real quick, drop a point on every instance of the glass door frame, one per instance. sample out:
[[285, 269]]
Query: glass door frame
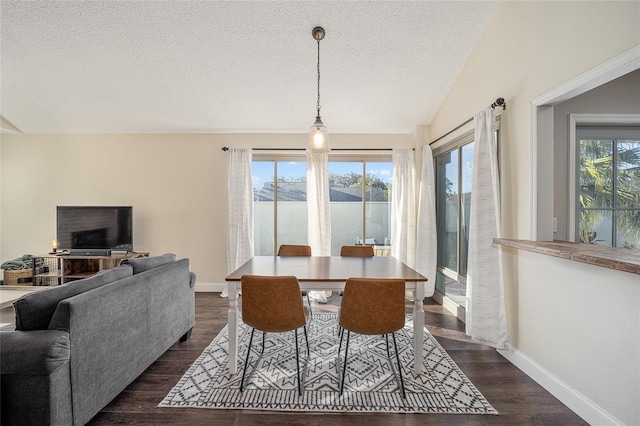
[[444, 270]]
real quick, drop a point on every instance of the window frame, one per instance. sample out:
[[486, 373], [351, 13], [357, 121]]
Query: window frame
[[355, 156], [576, 120], [456, 144], [275, 158]]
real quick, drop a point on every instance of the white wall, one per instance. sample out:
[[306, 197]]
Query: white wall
[[558, 311], [176, 184]]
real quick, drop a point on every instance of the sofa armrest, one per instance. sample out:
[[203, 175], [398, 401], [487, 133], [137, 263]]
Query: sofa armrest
[[33, 353], [35, 379]]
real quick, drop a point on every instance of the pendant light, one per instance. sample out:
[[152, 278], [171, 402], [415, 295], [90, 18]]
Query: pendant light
[[318, 135]]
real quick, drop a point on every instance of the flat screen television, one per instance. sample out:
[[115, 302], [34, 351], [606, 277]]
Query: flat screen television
[[95, 227]]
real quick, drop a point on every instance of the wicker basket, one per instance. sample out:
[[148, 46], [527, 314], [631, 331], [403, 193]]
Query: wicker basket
[[18, 276]]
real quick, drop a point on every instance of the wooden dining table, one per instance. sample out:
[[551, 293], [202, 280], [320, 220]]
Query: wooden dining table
[[327, 273]]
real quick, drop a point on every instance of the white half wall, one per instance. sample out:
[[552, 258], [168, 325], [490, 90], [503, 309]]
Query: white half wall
[[582, 326]]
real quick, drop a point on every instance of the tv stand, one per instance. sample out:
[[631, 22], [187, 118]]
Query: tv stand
[[90, 252], [56, 269]]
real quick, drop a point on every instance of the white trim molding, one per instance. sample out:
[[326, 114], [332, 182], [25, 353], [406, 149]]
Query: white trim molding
[[616, 67], [450, 305], [574, 121], [577, 402], [210, 287], [541, 108]]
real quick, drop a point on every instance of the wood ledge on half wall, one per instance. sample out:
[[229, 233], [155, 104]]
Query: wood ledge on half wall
[[620, 259]]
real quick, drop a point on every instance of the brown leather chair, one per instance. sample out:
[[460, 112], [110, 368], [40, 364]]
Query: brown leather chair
[[356, 251], [372, 306], [296, 250], [272, 304]]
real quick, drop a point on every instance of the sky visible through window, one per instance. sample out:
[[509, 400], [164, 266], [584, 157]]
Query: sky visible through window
[[262, 171]]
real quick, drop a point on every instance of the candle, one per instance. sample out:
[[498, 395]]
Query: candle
[[54, 246]]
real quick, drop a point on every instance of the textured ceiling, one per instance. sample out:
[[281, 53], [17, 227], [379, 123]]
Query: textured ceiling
[[209, 66]]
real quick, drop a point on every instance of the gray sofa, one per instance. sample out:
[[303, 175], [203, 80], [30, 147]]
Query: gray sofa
[[78, 345]]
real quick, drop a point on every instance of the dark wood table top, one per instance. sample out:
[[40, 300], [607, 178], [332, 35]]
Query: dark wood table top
[[327, 269]]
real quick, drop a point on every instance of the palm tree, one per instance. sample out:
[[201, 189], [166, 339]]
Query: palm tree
[[610, 180]]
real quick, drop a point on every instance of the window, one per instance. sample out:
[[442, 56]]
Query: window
[[453, 175], [608, 185], [279, 204], [360, 207]]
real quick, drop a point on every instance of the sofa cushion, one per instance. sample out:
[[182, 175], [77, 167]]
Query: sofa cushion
[[141, 264], [34, 311]]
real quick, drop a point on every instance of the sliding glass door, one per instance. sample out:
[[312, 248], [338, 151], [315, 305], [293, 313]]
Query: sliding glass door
[[360, 193], [280, 204], [454, 173]]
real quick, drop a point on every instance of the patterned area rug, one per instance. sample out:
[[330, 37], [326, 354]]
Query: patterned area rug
[[370, 384]]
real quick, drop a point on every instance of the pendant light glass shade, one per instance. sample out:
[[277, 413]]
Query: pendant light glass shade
[[318, 134], [318, 137]]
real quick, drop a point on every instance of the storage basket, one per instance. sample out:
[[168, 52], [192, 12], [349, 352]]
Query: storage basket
[[18, 276]]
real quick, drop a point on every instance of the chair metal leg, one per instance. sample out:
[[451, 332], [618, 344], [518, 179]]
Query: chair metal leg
[[309, 303], [344, 368], [298, 363], [339, 350], [399, 367], [386, 338], [246, 361], [306, 363], [306, 338]]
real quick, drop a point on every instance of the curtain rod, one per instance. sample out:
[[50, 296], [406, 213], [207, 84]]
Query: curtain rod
[[499, 102], [226, 148]]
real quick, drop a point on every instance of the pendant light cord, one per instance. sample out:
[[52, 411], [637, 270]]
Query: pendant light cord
[[318, 67]]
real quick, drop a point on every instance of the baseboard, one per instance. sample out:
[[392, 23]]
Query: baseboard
[[450, 305], [210, 287], [578, 403]]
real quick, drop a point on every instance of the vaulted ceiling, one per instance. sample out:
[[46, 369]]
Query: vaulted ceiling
[[212, 66]]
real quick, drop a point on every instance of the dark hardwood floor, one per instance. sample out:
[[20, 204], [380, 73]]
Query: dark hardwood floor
[[518, 399]]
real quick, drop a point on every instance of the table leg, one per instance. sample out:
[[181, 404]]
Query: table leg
[[418, 327], [233, 326]]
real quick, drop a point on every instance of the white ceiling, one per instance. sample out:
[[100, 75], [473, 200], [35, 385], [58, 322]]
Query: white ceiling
[[210, 66]]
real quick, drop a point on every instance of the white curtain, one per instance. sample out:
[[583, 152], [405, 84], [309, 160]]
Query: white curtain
[[403, 207], [427, 238], [318, 211], [240, 193], [485, 315]]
